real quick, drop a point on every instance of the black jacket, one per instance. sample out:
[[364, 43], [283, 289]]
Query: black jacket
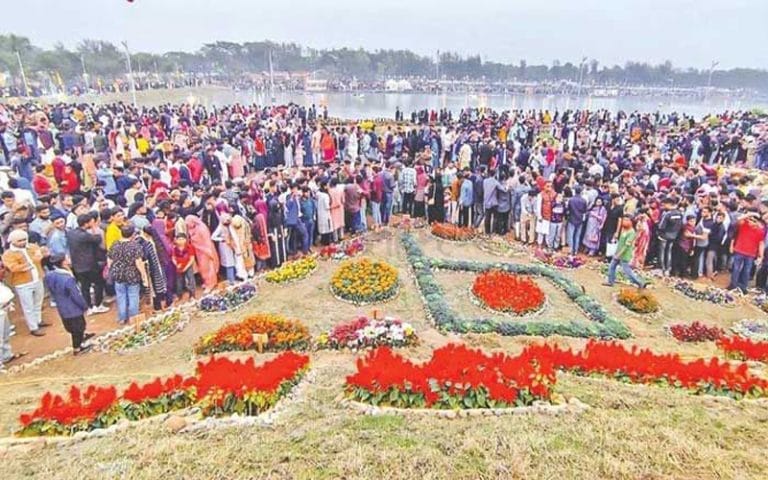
[[84, 250]]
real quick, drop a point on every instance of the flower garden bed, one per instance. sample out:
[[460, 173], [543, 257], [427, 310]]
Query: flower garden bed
[[636, 365], [638, 301], [342, 251], [220, 387], [150, 331], [500, 291], [694, 332], [455, 377], [601, 324], [228, 300], [623, 279], [753, 329], [742, 348], [709, 294], [281, 334], [452, 232], [292, 271], [365, 281], [565, 262], [761, 302], [502, 246], [364, 332]]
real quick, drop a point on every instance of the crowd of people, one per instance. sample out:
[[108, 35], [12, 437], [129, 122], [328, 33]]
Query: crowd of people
[[103, 202]]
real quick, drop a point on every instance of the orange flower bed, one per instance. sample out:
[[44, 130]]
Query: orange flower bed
[[507, 292], [282, 334], [449, 231]]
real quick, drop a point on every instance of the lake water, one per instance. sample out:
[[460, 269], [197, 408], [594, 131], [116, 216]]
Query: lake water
[[383, 105]]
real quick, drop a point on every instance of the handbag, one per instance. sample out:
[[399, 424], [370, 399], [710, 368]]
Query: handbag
[[610, 249]]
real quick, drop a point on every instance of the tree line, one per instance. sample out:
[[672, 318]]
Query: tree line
[[102, 59]]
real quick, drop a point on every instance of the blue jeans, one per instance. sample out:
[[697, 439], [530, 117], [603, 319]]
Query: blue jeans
[[127, 300], [741, 271], [555, 232], [230, 271], [309, 237], [376, 213], [615, 262], [573, 236], [386, 208]]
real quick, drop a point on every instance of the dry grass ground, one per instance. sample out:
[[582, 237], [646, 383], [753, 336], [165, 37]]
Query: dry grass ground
[[631, 431]]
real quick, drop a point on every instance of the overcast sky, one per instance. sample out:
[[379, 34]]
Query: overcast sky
[[690, 33]]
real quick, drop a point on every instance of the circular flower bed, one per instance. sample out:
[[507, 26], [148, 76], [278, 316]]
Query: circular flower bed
[[509, 293], [365, 281], [281, 334], [227, 300], [364, 332], [638, 301], [292, 271], [449, 231]]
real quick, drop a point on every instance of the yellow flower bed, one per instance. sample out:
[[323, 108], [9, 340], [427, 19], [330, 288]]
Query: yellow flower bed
[[365, 281], [291, 271]]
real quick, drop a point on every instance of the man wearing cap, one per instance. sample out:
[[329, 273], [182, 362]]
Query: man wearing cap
[[25, 273]]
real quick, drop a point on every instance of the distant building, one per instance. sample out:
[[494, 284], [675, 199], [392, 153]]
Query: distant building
[[398, 86]]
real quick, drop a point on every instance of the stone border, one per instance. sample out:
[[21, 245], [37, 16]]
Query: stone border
[[574, 405]]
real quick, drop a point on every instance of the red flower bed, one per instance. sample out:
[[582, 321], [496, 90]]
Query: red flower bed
[[77, 408], [643, 366], [507, 292], [222, 383], [695, 332], [222, 386], [743, 348], [455, 377]]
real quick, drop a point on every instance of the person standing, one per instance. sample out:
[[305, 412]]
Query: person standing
[[6, 305], [23, 262], [87, 254], [126, 267], [577, 214], [70, 303], [624, 253], [747, 248]]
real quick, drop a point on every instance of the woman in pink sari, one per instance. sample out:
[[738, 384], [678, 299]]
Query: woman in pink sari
[[206, 256], [642, 240], [236, 165]]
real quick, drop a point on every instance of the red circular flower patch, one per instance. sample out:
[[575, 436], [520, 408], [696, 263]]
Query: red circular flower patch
[[507, 292]]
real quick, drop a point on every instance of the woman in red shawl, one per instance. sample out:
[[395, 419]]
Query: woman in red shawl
[[259, 234], [328, 146], [206, 256]]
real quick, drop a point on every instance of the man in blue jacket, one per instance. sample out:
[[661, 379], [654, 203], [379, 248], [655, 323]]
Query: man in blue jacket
[[70, 303]]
